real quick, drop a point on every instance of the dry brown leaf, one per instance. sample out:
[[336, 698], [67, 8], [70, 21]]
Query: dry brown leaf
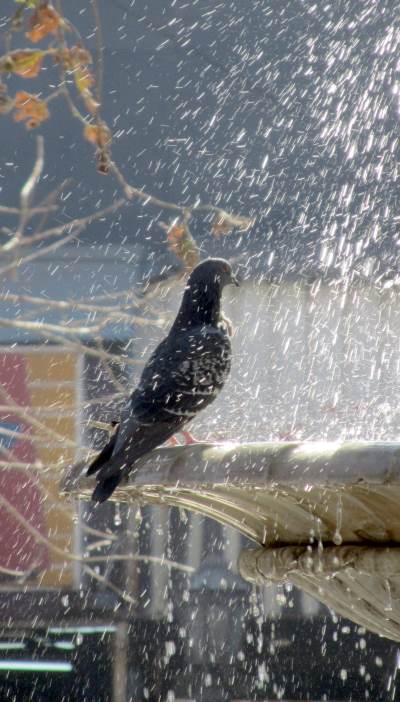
[[30, 109], [103, 161], [79, 54], [224, 222], [45, 20], [25, 63], [6, 103], [182, 244], [76, 61], [74, 57], [98, 134], [28, 3]]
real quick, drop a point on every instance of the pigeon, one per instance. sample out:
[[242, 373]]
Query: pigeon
[[183, 376]]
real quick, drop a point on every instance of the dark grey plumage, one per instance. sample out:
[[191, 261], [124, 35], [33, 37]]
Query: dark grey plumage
[[184, 375]]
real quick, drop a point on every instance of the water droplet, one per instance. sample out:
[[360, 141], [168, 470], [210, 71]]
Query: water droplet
[[337, 537], [117, 515], [389, 603]]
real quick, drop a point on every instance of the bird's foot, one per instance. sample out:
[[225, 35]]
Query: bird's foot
[[189, 438], [172, 441]]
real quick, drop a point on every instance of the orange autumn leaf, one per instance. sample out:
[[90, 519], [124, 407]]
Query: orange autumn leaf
[[30, 109], [25, 63], [77, 55], [74, 57], [28, 3], [76, 61], [176, 233], [182, 244], [45, 20], [83, 78], [98, 134]]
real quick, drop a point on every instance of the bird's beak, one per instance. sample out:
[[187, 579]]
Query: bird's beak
[[234, 281]]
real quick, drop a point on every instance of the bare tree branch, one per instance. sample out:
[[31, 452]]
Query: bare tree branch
[[78, 223], [99, 49], [28, 189]]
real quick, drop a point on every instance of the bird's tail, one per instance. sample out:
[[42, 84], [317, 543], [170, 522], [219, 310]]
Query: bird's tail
[[106, 487], [107, 479], [112, 466], [104, 456], [109, 474]]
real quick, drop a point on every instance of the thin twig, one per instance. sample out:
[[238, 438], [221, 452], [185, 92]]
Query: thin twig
[[81, 348], [79, 222], [55, 94], [33, 210], [29, 437], [99, 49], [30, 185], [100, 578], [72, 107], [50, 199], [97, 532], [53, 328], [25, 414], [68, 556], [111, 311], [41, 252], [108, 369], [41, 468], [27, 192], [131, 192], [21, 575], [64, 84]]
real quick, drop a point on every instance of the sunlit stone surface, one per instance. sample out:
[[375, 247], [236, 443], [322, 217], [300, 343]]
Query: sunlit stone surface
[[326, 514]]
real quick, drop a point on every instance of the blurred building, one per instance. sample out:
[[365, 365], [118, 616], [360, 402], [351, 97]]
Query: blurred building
[[289, 114], [299, 372]]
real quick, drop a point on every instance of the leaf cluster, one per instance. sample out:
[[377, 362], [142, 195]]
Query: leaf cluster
[[40, 22]]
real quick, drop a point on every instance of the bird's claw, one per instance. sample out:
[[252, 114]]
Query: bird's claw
[[188, 439], [172, 441]]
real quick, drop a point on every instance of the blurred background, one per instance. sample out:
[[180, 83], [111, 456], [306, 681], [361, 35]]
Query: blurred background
[[286, 114]]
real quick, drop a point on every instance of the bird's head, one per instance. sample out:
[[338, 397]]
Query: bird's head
[[212, 273], [201, 303]]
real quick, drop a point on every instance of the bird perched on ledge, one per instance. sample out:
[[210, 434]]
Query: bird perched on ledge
[[183, 376]]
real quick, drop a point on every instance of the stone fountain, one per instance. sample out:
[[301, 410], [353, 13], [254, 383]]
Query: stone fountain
[[324, 515]]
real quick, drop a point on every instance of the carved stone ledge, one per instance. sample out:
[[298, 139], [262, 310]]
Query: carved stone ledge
[[275, 493], [326, 514], [360, 582]]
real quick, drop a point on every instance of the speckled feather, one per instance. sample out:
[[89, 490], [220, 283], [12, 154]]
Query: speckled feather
[[183, 376]]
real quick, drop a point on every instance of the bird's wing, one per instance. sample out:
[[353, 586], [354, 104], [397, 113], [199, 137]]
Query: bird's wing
[[184, 375]]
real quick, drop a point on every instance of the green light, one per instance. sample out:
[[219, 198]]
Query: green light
[[81, 629], [37, 666], [64, 645], [11, 646]]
